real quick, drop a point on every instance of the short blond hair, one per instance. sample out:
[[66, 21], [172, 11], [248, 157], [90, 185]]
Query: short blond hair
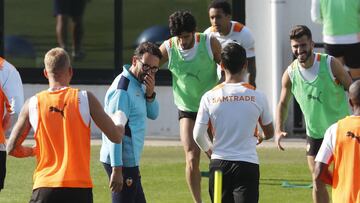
[[56, 60]]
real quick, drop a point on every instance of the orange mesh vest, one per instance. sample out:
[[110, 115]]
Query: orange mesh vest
[[346, 174], [62, 142], [4, 103]]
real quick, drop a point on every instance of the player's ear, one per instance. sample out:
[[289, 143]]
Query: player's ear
[[228, 16], [222, 66], [45, 74], [351, 104], [133, 61], [245, 66]]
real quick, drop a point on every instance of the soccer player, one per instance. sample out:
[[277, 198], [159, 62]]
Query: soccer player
[[318, 83], [227, 31], [11, 100], [234, 108], [60, 117], [341, 145], [192, 60], [341, 30], [132, 94]]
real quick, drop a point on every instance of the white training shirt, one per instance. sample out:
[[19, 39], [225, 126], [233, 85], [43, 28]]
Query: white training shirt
[[244, 37], [234, 110], [12, 86], [328, 145], [189, 54], [83, 106]]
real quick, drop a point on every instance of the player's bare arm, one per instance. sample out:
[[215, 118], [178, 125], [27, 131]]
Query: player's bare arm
[[19, 133], [103, 121], [282, 109], [7, 120], [322, 174], [252, 70], [268, 130], [164, 53], [216, 49], [340, 73]]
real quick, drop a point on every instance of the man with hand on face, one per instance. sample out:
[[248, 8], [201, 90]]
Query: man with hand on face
[[318, 83], [227, 31], [192, 60], [132, 95]]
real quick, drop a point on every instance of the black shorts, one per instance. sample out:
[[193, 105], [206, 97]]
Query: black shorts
[[2, 168], [312, 145], [73, 8], [240, 181], [350, 52], [187, 114], [132, 188], [61, 195]]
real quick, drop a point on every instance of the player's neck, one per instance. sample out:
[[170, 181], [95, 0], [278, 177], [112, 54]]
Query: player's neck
[[57, 84], [226, 30], [234, 78], [308, 63], [134, 72], [356, 111]]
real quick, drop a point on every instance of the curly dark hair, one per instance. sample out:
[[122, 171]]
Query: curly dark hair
[[147, 47], [181, 21]]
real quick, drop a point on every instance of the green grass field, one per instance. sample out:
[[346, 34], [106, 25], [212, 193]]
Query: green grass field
[[163, 178]]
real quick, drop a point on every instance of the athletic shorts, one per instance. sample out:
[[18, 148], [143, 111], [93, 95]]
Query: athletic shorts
[[73, 8], [2, 168], [187, 114], [240, 181], [312, 146], [132, 191], [350, 52], [61, 195]]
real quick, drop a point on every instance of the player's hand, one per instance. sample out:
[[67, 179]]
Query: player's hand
[[149, 81], [260, 138], [278, 136], [116, 179], [259, 134]]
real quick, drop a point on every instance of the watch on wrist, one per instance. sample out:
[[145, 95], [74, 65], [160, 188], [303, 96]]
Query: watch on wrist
[[151, 97]]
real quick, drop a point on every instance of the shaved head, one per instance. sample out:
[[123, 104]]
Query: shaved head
[[56, 61], [354, 93]]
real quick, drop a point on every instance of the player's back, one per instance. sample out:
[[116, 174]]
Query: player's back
[[234, 112]]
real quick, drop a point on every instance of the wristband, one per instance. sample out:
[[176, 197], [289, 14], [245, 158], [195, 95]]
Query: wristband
[[151, 97]]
